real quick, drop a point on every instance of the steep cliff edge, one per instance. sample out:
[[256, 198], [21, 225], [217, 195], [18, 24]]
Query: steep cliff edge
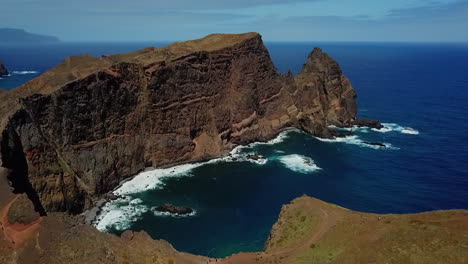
[[3, 69], [79, 129]]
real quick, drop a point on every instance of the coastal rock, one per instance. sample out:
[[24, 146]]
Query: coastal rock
[[377, 144], [169, 208], [362, 122], [255, 156], [3, 69], [74, 133]]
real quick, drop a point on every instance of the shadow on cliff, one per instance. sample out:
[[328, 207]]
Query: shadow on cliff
[[13, 159]]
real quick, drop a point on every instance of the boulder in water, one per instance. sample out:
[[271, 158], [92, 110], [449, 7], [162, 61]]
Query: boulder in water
[[170, 208]]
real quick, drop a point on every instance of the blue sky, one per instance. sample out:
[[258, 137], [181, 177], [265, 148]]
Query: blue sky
[[286, 20]]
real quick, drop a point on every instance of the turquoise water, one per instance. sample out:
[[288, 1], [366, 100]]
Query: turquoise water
[[420, 86]]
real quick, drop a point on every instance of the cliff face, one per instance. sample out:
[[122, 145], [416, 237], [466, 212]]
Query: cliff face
[[3, 69], [77, 131]]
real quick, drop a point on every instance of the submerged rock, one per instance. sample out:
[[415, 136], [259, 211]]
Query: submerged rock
[[170, 208], [111, 196], [362, 122], [378, 144], [255, 157]]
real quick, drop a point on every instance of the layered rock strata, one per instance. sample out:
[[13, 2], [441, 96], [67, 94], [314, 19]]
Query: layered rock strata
[[74, 133]]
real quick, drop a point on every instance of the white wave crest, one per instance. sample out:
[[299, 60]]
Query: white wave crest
[[355, 140], [167, 214], [389, 127], [278, 139], [24, 72], [119, 214], [299, 163], [151, 179]]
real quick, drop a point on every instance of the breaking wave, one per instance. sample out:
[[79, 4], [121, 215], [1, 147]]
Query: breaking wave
[[389, 127], [151, 179], [299, 163], [167, 214], [355, 140], [119, 214], [24, 72]]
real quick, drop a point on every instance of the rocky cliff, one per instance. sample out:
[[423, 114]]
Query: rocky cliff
[[3, 69], [78, 130]]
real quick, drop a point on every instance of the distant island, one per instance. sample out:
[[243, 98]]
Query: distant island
[[21, 36]]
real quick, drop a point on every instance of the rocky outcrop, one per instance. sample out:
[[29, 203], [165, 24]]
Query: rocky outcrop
[[376, 144], [172, 209], [3, 69], [74, 133], [362, 122]]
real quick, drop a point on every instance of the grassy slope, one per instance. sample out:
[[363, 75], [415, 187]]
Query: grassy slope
[[308, 231], [312, 231]]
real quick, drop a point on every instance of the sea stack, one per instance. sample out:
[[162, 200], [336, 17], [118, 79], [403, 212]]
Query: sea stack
[[74, 133], [3, 69]]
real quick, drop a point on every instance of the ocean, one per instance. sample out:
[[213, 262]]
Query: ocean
[[420, 92]]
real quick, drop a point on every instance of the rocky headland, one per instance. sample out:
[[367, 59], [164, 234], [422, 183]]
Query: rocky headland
[[73, 134]]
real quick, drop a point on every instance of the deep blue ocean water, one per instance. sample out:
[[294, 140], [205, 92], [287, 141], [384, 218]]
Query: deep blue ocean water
[[422, 86]]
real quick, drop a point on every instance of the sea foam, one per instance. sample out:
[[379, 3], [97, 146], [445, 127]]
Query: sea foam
[[389, 127], [24, 72], [151, 179], [355, 140], [299, 163], [119, 214], [167, 214]]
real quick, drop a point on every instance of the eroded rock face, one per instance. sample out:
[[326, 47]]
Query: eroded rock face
[[187, 102], [3, 69]]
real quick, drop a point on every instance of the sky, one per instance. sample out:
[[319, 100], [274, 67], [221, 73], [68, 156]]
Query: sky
[[286, 20]]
